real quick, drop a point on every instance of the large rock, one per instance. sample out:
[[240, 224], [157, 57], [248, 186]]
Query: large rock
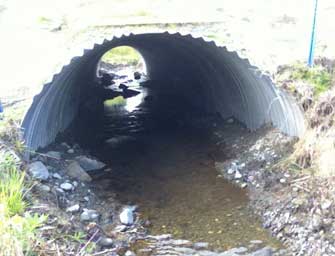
[[89, 164], [38, 170], [74, 170]]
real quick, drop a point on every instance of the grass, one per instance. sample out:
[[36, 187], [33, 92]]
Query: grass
[[10, 128], [116, 102], [18, 227], [122, 55], [317, 76]]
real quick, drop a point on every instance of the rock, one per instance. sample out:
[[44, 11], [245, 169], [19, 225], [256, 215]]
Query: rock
[[38, 170], [238, 175], [282, 180], [66, 186], [127, 216], [56, 176], [43, 188], [160, 237], [64, 144], [123, 86], [230, 121], [70, 151], [74, 170], [244, 185], [137, 75], [89, 215], [230, 171], [256, 241], [184, 250], [317, 222], [106, 242], [129, 253], [89, 164], [120, 228], [326, 204], [235, 252], [181, 242], [54, 154], [200, 245], [73, 208], [266, 251]]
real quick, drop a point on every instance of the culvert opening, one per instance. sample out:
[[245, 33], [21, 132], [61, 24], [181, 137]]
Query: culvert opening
[[161, 154]]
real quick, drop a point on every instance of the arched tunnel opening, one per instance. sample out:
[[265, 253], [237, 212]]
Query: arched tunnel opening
[[161, 127]]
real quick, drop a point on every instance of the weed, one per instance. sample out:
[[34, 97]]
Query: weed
[[18, 229], [77, 237]]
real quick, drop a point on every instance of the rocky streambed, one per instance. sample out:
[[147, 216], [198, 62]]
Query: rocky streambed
[[151, 181]]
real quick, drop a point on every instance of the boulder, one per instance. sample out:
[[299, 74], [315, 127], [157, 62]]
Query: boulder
[[74, 170], [89, 164], [38, 170]]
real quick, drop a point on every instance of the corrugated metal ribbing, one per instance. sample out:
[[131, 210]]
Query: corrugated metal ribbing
[[229, 85]]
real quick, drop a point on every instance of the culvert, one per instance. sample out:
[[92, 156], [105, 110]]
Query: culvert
[[213, 78]]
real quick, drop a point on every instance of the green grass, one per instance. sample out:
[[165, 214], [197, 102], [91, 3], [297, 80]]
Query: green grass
[[318, 77], [116, 102], [18, 228], [122, 55]]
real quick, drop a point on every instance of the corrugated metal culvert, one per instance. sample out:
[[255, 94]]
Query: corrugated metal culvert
[[219, 79]]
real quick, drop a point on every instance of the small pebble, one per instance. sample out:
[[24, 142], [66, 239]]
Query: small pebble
[[73, 208], [57, 176]]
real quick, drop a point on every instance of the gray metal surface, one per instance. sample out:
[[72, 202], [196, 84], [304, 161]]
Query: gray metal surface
[[208, 74]]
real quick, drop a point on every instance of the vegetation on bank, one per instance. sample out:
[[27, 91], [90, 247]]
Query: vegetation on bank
[[18, 226], [123, 55], [320, 77], [19, 234]]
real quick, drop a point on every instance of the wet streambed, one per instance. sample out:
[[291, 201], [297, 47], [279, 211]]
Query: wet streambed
[[168, 171]]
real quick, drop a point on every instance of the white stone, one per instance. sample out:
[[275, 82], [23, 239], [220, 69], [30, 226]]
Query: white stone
[[282, 180], [326, 204], [127, 216], [66, 186], [89, 215], [129, 253], [230, 171], [57, 176], [73, 208], [70, 151], [238, 175]]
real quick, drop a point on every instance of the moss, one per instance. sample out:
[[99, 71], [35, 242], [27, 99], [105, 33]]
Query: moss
[[116, 102]]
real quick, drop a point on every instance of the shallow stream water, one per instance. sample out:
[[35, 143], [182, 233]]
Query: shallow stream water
[[168, 170]]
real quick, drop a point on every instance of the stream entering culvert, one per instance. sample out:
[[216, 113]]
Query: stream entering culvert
[[163, 161]]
